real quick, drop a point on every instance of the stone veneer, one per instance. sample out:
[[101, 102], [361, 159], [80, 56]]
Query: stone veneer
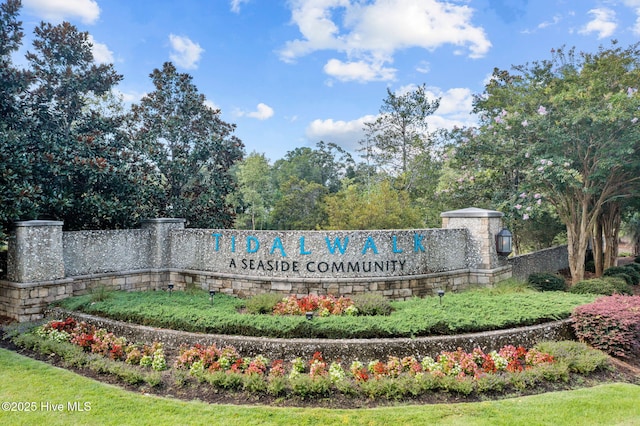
[[362, 349], [46, 264]]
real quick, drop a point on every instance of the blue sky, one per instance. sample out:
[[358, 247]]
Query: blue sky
[[294, 72]]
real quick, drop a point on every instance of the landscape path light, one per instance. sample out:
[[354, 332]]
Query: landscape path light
[[170, 287], [212, 294], [309, 315], [440, 295]]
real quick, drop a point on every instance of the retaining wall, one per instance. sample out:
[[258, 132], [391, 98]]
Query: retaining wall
[[362, 349], [547, 260]]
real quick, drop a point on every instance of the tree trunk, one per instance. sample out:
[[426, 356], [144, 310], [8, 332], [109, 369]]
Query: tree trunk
[[611, 220], [598, 249], [577, 248]]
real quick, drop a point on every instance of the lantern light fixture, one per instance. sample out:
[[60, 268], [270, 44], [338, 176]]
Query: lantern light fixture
[[504, 243]]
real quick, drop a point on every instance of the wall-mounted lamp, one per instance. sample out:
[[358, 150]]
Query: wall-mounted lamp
[[504, 241], [170, 287], [212, 294], [440, 295]]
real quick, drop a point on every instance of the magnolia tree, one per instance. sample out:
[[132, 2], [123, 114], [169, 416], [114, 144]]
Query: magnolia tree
[[562, 133]]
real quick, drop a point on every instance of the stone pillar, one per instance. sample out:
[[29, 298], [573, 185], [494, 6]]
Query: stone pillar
[[160, 255], [483, 226], [35, 252]]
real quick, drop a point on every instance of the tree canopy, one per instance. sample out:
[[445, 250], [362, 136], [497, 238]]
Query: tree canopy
[[562, 132]]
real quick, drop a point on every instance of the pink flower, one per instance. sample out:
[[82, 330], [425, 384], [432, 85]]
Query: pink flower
[[525, 216], [537, 196], [523, 195], [525, 123], [518, 206], [542, 110]]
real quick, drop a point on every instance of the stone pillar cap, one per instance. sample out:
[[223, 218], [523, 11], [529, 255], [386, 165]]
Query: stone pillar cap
[[24, 223], [164, 220], [472, 212]]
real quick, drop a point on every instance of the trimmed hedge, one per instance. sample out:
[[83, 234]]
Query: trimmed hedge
[[547, 282], [629, 274], [606, 286], [611, 324], [466, 312]]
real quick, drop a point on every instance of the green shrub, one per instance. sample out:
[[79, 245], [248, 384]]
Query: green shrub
[[577, 356], [100, 293], [634, 266], [371, 304], [542, 281], [263, 303], [605, 286], [464, 312], [636, 259], [590, 266], [630, 275]]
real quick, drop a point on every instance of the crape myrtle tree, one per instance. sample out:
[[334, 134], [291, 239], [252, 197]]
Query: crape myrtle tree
[[191, 147], [562, 132]]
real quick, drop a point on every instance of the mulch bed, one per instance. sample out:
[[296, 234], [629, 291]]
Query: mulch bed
[[627, 370]]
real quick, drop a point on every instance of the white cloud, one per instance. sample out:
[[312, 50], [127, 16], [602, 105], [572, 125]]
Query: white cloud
[[101, 53], [185, 53], [60, 10], [343, 133], [358, 71], [129, 97], [211, 105], [634, 4], [262, 112], [371, 32], [603, 23], [423, 67], [235, 5], [454, 111]]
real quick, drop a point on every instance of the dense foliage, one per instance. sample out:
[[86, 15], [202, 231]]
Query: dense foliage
[[606, 286], [559, 136], [69, 151], [611, 324]]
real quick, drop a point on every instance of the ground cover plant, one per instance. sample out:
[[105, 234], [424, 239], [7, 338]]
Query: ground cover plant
[[25, 379], [510, 369], [471, 311]]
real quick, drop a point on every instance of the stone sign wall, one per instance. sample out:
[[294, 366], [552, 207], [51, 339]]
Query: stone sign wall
[[46, 264], [321, 254]]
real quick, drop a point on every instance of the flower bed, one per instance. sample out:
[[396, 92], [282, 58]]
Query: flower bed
[[323, 305], [100, 341], [506, 370]]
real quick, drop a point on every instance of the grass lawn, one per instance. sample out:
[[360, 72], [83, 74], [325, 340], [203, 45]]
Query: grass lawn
[[25, 381]]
